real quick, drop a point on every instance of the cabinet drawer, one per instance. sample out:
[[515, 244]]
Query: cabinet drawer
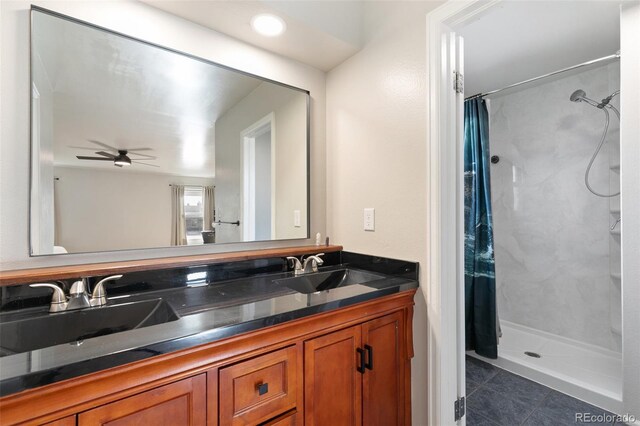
[[259, 389], [287, 419]]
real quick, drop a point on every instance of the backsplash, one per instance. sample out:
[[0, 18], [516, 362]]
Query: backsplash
[[23, 296]]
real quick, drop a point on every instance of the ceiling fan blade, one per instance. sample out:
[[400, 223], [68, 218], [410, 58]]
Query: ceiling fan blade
[[87, 148], [104, 145], [145, 164], [144, 156], [139, 149], [106, 154], [83, 157]]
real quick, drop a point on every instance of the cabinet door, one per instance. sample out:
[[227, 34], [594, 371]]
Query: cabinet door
[[383, 381], [179, 403], [333, 386], [66, 421]]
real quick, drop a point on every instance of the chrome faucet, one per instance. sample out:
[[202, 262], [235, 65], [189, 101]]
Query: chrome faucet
[[305, 266], [311, 263], [78, 297]]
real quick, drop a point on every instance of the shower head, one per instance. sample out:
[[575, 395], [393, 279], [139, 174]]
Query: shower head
[[578, 96], [581, 96]]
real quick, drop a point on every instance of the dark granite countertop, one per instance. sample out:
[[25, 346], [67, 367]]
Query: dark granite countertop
[[208, 312]]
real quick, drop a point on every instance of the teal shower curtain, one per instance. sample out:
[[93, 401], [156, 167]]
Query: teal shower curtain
[[479, 268]]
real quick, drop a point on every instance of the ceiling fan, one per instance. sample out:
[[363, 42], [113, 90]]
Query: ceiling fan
[[122, 158]]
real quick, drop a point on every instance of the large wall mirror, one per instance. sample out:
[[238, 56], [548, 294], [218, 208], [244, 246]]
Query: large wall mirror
[[136, 146]]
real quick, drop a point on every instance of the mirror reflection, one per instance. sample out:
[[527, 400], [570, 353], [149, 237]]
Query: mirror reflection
[[135, 146]]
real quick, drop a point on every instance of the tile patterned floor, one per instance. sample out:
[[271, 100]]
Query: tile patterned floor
[[497, 397]]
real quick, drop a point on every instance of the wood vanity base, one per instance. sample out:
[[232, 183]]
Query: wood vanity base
[[351, 364]]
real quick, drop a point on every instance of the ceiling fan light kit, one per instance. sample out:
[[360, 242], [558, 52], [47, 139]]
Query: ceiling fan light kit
[[122, 159]]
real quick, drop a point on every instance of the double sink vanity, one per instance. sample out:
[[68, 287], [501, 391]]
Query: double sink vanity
[[255, 341]]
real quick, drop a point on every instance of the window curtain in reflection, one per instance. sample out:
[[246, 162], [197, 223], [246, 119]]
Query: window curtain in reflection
[[209, 206], [479, 265], [178, 226]]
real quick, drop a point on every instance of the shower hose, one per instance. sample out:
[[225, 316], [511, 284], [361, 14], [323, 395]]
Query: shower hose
[[597, 151]]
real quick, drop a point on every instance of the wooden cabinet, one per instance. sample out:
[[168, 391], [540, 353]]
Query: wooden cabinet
[[356, 376], [333, 386], [179, 403], [350, 366], [260, 388], [287, 419], [67, 421], [383, 379]]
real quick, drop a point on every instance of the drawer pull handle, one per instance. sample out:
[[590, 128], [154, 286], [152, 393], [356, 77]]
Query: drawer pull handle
[[262, 388], [369, 363], [360, 366]]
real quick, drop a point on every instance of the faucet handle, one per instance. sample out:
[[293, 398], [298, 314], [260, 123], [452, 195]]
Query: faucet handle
[[297, 265], [99, 295], [316, 258], [58, 301], [295, 262]]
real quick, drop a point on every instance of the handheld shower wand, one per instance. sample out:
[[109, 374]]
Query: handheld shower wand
[[581, 96]]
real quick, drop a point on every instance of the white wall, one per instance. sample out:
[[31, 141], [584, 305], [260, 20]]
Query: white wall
[[147, 23], [376, 153], [289, 110], [101, 210], [551, 234], [290, 182]]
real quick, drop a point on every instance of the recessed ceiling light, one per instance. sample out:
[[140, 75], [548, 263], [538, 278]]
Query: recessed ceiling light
[[268, 25]]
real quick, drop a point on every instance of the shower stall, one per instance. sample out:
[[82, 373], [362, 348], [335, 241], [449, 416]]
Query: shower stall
[[555, 184]]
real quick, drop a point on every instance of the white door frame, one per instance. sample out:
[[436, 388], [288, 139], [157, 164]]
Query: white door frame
[[445, 268], [630, 203], [35, 242], [247, 157], [444, 281]]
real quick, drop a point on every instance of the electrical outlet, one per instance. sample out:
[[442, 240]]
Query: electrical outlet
[[369, 219], [296, 218]]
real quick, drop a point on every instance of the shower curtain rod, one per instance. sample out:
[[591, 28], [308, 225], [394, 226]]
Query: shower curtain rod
[[584, 64]]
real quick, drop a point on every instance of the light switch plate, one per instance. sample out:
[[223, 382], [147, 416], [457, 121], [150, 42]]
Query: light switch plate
[[370, 219], [296, 218]]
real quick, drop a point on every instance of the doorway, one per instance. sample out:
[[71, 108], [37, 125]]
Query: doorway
[[258, 176], [446, 273]]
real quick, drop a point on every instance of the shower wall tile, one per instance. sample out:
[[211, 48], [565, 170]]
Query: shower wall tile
[[551, 234]]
